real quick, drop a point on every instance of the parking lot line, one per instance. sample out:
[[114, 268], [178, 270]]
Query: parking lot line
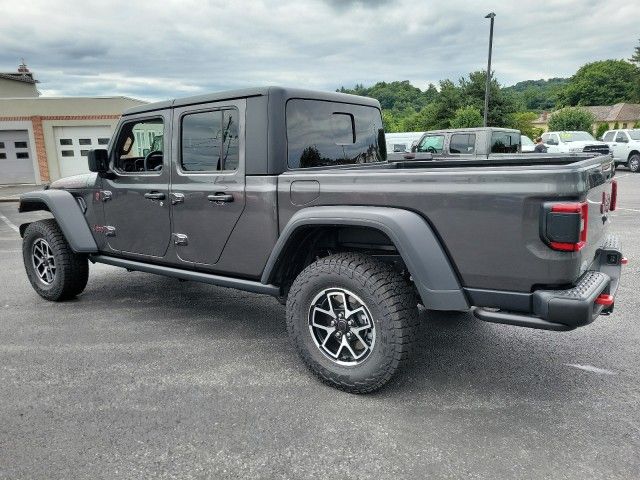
[[9, 223]]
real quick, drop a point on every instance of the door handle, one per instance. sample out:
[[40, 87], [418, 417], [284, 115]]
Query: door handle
[[154, 195], [220, 197]]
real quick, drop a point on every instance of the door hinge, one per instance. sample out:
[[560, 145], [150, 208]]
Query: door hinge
[[109, 231], [180, 239], [106, 195]]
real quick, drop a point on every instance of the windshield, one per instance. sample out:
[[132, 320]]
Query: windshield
[[634, 134], [524, 140], [576, 137]]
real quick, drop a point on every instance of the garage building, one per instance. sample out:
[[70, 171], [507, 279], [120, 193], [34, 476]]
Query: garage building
[[46, 138]]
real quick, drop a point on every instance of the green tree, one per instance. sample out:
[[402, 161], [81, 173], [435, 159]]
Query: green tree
[[600, 129], [635, 58], [538, 95], [501, 103], [602, 83], [571, 118], [466, 117], [523, 121]]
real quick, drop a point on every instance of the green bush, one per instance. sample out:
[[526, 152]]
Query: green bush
[[572, 118], [602, 127]]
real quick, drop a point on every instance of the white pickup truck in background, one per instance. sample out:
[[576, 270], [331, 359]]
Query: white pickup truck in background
[[625, 145], [573, 142]]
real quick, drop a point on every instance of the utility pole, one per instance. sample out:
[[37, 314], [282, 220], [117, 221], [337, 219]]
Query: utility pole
[[491, 16]]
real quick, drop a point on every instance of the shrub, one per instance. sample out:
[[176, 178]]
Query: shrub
[[572, 118], [602, 127]]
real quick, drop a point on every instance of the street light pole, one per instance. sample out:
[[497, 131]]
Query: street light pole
[[486, 91]]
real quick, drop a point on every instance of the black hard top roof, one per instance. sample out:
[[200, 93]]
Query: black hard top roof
[[280, 92]]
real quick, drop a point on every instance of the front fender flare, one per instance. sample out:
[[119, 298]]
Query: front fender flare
[[415, 240], [67, 213]]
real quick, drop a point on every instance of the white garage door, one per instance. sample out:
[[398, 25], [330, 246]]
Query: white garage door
[[73, 143], [16, 164]]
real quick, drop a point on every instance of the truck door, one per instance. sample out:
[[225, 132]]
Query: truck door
[[620, 146], [135, 198], [208, 186]]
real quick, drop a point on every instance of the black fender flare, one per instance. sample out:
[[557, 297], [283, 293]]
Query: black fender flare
[[415, 240], [67, 213]]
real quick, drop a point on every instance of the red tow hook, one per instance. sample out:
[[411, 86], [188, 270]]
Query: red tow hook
[[624, 261], [604, 299]]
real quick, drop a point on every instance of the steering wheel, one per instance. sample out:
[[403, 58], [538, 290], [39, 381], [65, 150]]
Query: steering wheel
[[431, 149], [148, 156]]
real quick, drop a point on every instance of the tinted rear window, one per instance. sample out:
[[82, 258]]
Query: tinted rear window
[[325, 133], [505, 142]]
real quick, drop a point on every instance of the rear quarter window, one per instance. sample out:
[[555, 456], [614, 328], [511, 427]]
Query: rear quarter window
[[505, 142], [325, 133]]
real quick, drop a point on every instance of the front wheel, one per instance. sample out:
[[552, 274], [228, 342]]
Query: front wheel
[[634, 162], [353, 320], [54, 270]]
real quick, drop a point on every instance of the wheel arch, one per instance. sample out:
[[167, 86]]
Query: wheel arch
[[413, 238], [632, 153], [67, 214]]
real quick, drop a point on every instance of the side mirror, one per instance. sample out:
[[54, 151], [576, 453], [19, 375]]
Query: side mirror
[[98, 160], [414, 146]]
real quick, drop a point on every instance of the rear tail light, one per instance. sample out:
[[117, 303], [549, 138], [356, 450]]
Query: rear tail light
[[614, 195], [565, 226]]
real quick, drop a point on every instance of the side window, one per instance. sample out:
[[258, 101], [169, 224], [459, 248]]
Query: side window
[[209, 141], [621, 137], [505, 142], [608, 137], [462, 143], [325, 133], [432, 144], [140, 146]]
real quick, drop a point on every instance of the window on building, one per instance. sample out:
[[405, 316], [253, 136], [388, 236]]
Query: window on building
[[324, 133], [67, 153], [84, 153], [84, 141], [624, 125], [103, 141], [210, 141], [505, 142], [1, 144], [432, 144], [463, 143], [20, 144], [66, 141], [3, 155], [138, 140], [22, 155]]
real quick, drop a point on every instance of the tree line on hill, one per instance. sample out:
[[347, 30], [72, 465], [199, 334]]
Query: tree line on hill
[[460, 104]]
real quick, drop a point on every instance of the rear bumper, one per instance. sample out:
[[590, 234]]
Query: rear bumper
[[566, 309]]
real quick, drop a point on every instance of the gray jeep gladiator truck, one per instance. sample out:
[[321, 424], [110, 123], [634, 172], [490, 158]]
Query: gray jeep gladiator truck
[[469, 143], [290, 193]]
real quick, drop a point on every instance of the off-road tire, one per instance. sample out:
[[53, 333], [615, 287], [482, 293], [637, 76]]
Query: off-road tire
[[72, 269], [634, 163], [391, 301]]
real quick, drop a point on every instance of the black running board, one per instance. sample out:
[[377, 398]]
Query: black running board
[[229, 282], [518, 320]]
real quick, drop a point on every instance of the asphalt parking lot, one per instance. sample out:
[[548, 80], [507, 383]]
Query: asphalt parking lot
[[143, 377]]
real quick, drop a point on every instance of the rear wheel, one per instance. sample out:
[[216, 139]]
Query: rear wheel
[[634, 162], [54, 270], [353, 320]]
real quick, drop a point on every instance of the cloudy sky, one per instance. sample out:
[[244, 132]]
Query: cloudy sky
[[173, 48]]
